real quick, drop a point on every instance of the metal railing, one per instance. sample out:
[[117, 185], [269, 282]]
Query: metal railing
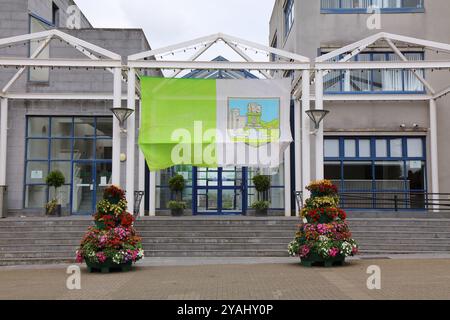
[[390, 201], [138, 195]]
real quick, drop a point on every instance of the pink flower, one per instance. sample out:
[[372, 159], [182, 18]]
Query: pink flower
[[354, 250], [304, 251], [101, 257], [79, 258], [333, 252]]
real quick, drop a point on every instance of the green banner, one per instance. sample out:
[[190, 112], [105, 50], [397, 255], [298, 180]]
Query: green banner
[[172, 109]]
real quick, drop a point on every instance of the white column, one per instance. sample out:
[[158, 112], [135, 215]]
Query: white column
[[131, 139], [306, 156], [141, 168], [3, 139], [298, 148], [152, 193], [117, 102], [434, 148], [287, 182], [319, 135]]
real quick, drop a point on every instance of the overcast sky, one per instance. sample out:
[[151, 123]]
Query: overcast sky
[[172, 21]]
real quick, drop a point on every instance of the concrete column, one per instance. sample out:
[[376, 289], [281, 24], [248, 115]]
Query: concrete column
[[298, 148], [434, 148], [117, 102], [306, 152], [287, 182], [131, 139], [319, 134], [141, 168], [3, 139]]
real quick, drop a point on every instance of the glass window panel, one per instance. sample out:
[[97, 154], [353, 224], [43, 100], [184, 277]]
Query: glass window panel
[[332, 170], [411, 81], [104, 127], [61, 127], [277, 198], [37, 171], [39, 74], [83, 149], [364, 148], [389, 175], [162, 197], [416, 175], [104, 149], [163, 176], [61, 149], [38, 127], [331, 148], [35, 197], [37, 149], [415, 148], [357, 175], [381, 148], [63, 195], [350, 148], [63, 166], [396, 148], [84, 127]]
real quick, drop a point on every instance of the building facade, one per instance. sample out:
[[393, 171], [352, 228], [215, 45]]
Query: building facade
[[73, 134], [377, 143]]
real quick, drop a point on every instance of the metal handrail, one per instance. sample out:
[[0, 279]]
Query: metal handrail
[[138, 195]]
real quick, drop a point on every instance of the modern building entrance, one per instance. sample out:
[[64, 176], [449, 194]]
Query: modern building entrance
[[219, 191]]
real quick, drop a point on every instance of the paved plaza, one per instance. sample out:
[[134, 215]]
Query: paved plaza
[[285, 279]]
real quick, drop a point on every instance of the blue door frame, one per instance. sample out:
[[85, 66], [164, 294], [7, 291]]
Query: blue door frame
[[219, 188]]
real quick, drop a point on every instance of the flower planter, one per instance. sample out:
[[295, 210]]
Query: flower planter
[[108, 266], [261, 212], [56, 212], [314, 259], [176, 212]]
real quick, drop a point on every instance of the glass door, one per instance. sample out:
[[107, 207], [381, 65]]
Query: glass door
[[89, 181], [219, 190]]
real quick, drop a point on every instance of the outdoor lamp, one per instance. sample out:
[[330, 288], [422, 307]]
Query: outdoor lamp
[[122, 114], [317, 117]]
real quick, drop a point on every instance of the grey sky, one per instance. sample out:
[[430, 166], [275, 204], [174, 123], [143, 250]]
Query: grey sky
[[172, 21]]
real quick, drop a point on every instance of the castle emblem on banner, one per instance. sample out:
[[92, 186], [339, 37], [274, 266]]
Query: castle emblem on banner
[[254, 121]]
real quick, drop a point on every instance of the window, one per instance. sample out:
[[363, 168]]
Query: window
[[288, 16], [377, 169], [56, 143], [39, 74], [375, 81], [359, 6], [274, 44], [55, 15]]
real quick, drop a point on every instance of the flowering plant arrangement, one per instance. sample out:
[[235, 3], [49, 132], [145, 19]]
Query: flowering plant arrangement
[[324, 235], [113, 241]]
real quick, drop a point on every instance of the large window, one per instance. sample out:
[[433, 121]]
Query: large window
[[57, 143], [288, 16], [358, 6], [375, 81], [378, 169]]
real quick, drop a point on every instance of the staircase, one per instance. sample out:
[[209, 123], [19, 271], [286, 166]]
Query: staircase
[[54, 240]]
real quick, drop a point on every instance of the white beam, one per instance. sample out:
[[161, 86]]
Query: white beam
[[298, 148], [306, 152], [116, 128], [369, 65], [441, 93], [141, 167], [418, 76], [131, 139], [418, 42], [168, 49], [34, 55], [217, 65], [319, 134], [152, 193], [434, 147], [59, 63], [195, 56], [287, 182], [62, 96], [374, 97], [3, 139], [247, 58]]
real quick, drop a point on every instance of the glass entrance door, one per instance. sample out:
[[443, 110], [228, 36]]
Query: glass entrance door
[[90, 178], [219, 190]]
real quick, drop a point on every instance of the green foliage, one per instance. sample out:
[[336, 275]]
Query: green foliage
[[262, 183], [175, 205], [55, 179], [261, 205], [51, 206], [177, 183]]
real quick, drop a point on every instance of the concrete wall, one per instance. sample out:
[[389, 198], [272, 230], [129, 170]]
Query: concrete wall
[[313, 31]]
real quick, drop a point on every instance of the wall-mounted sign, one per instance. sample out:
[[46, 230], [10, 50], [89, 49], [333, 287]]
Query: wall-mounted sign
[[36, 174]]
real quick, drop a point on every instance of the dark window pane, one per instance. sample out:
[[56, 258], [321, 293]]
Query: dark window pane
[[416, 175], [357, 175], [332, 170], [389, 175], [104, 149]]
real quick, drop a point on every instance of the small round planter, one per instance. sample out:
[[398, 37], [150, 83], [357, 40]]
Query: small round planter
[[176, 212], [314, 259], [108, 266], [56, 212]]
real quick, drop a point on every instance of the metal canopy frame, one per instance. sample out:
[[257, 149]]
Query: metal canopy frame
[[97, 57], [287, 61]]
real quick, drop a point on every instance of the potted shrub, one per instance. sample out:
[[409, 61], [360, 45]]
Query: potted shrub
[[262, 185], [177, 185], [54, 179]]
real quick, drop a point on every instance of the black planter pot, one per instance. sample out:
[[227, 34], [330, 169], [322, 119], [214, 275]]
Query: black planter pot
[[176, 212], [261, 212], [56, 212]]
